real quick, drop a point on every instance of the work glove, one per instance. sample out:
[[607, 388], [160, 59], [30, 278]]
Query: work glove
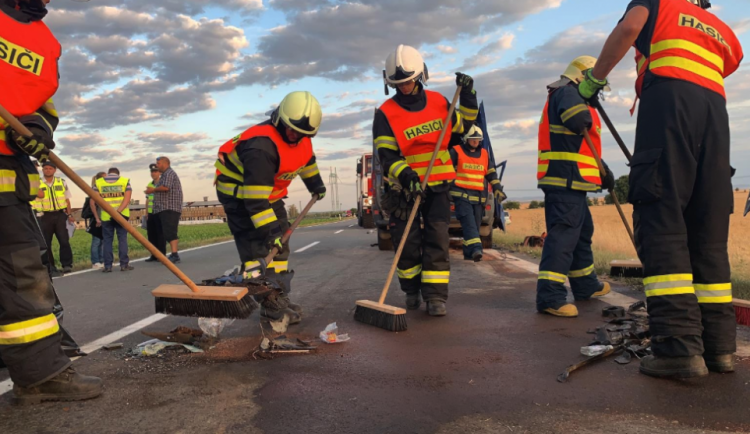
[[465, 81], [37, 146], [415, 187], [608, 180], [500, 194], [402, 209], [591, 86], [273, 239], [320, 191]]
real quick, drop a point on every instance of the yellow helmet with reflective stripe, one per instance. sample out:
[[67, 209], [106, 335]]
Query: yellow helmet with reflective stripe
[[574, 71], [299, 111]]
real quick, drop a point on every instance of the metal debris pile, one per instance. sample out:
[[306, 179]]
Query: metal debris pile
[[625, 334]]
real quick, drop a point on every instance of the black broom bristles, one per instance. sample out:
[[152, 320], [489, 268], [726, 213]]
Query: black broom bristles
[[383, 320], [241, 309], [626, 272]]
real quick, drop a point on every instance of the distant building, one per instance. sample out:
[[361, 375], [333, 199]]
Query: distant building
[[197, 212]]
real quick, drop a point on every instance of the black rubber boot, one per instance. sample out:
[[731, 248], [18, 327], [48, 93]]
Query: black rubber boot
[[477, 256], [278, 314], [436, 308], [413, 301], [722, 364], [293, 306], [674, 367], [67, 386]]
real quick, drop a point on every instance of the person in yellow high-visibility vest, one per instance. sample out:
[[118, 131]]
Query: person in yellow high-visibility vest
[[116, 190], [53, 210]]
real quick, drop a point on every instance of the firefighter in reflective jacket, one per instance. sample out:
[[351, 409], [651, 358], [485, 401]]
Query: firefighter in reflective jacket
[[469, 191], [566, 172], [405, 130], [30, 335], [253, 173], [680, 178]]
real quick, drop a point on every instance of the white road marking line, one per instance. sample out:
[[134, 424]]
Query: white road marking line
[[351, 226], [7, 385], [338, 232], [307, 247]]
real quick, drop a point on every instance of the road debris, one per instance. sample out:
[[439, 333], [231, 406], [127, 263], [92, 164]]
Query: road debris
[[154, 346], [330, 335], [114, 346], [214, 326], [627, 335], [180, 335]]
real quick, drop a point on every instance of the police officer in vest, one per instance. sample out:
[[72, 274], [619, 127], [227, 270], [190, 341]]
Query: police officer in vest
[[254, 171], [153, 225], [30, 334], [405, 130], [680, 178], [566, 172], [52, 206], [469, 191], [116, 191]]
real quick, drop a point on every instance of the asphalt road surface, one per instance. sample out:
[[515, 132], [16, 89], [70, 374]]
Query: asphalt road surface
[[490, 366]]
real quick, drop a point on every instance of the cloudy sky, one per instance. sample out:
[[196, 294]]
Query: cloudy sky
[[141, 78]]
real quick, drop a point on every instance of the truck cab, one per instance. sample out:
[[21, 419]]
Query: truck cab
[[365, 193]]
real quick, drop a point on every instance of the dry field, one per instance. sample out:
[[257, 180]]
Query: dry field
[[611, 241]]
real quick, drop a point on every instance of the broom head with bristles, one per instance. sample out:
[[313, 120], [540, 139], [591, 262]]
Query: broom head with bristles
[[742, 309], [209, 301], [626, 268], [386, 317]]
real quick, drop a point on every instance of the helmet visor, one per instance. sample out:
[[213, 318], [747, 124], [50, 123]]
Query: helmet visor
[[401, 74], [301, 126]]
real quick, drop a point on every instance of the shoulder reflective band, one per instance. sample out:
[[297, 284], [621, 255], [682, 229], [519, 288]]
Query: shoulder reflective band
[[669, 284], [436, 276], [263, 218], [569, 113], [582, 273], [309, 171], [29, 331], [386, 142], [714, 293], [410, 273], [551, 275]]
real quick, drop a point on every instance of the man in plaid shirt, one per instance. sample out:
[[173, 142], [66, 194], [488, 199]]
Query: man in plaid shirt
[[168, 204]]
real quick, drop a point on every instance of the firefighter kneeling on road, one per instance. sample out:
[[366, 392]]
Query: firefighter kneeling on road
[[469, 193], [254, 171], [566, 171], [30, 334], [680, 178], [405, 131]]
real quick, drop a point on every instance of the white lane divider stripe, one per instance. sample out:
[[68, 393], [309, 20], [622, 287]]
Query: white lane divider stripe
[[351, 226], [307, 247], [7, 385], [338, 232]]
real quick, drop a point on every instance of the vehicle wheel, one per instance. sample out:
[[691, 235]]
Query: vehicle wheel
[[360, 222], [486, 241], [368, 221], [384, 244]]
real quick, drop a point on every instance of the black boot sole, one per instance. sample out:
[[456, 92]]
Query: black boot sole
[[38, 399], [675, 373]]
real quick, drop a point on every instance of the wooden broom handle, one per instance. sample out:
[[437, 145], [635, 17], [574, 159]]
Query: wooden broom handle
[[418, 201], [288, 234], [612, 193], [612, 130], [65, 169]]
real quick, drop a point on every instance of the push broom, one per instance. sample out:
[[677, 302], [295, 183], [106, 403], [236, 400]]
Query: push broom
[[378, 313], [741, 307], [187, 300]]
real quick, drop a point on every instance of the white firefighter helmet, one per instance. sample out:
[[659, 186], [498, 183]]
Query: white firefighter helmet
[[403, 65], [703, 4], [474, 133], [574, 71], [299, 111]]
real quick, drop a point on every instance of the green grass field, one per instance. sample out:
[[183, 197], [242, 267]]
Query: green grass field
[[190, 236]]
